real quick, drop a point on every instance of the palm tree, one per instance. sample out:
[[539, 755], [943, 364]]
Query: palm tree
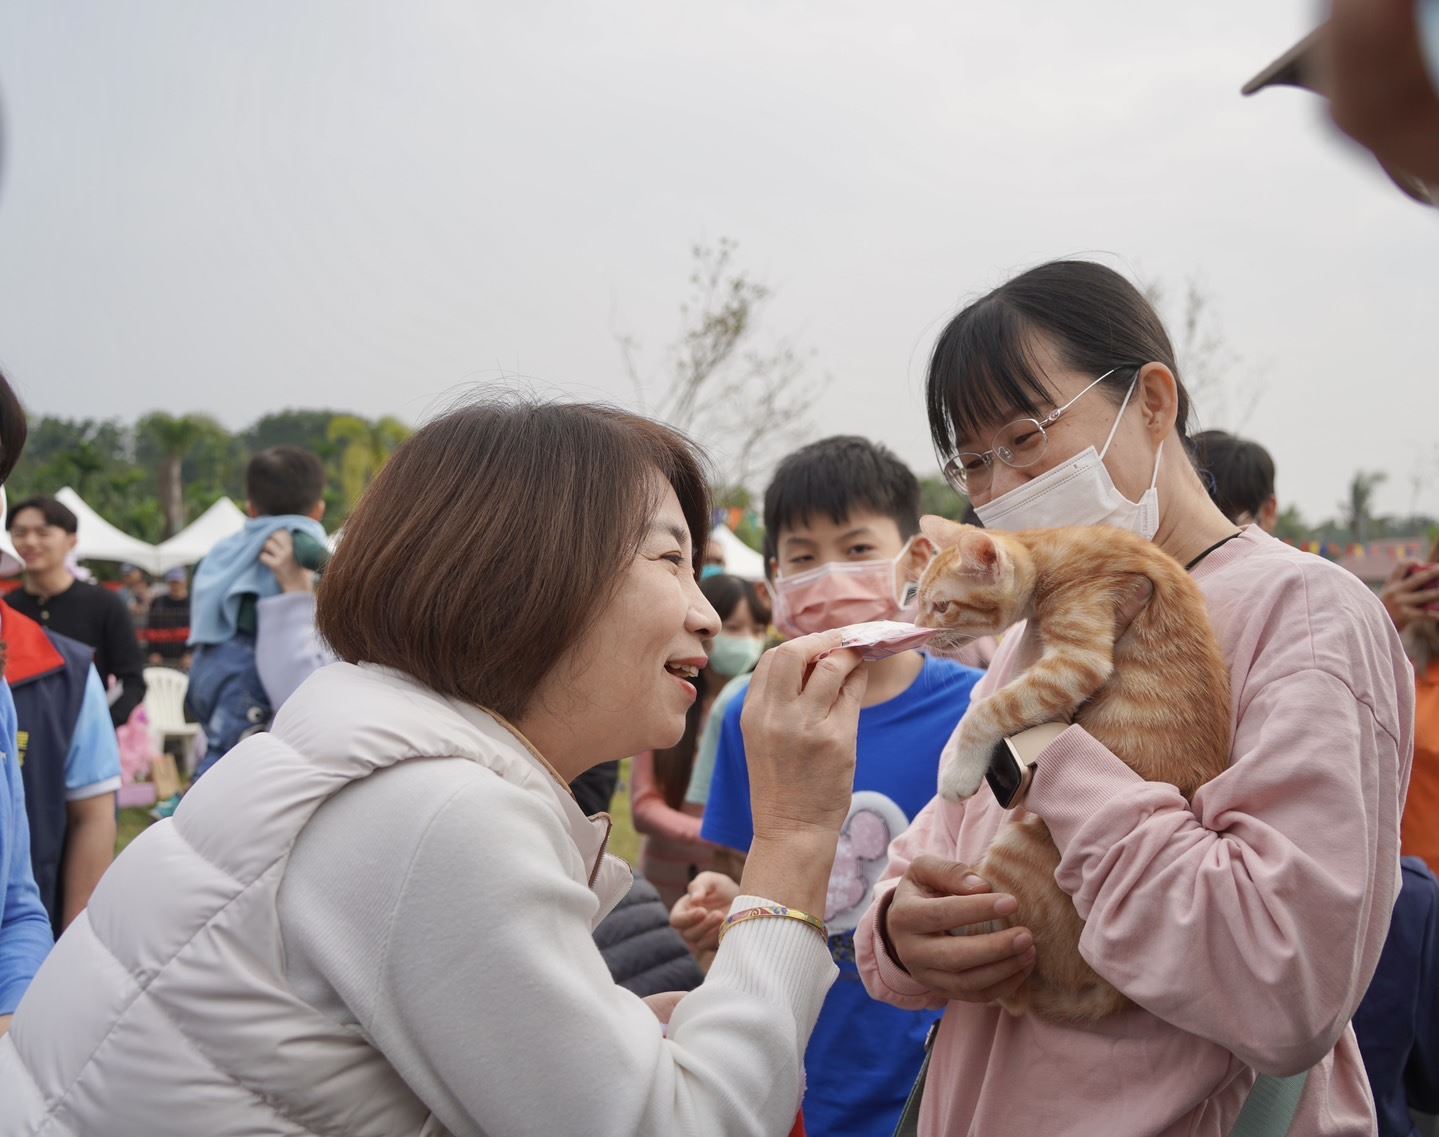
[[364, 448], [1358, 509], [166, 440]]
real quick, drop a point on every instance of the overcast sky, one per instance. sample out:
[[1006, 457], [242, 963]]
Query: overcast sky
[[235, 208]]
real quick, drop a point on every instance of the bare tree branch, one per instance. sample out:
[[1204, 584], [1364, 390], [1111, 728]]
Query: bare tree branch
[[743, 401]]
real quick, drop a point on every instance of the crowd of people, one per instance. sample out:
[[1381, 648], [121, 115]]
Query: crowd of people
[[776, 783], [385, 904]]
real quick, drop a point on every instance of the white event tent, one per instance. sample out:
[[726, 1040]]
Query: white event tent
[[739, 558], [188, 546], [98, 540]]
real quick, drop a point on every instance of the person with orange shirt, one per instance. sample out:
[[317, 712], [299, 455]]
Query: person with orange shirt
[[1411, 596]]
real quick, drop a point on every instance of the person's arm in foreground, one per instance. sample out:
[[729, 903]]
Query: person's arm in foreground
[[24, 926], [89, 850], [505, 1019], [653, 815], [287, 648], [92, 778], [126, 659]]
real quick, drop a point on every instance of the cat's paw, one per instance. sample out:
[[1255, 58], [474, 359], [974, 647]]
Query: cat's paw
[[966, 758]]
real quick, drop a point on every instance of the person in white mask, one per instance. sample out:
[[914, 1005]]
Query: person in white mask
[[1244, 924]]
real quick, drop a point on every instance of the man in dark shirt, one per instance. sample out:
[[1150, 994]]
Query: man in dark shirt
[[43, 532], [167, 626]]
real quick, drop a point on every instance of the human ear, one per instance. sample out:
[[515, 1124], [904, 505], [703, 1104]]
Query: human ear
[[916, 558], [1158, 399]]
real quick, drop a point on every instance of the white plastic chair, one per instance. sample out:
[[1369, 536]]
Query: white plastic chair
[[165, 704]]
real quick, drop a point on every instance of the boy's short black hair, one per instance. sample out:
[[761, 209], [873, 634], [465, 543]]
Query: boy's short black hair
[[284, 479], [1238, 474], [837, 477], [54, 512]]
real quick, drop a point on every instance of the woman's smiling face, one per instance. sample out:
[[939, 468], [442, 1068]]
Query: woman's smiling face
[[628, 682]]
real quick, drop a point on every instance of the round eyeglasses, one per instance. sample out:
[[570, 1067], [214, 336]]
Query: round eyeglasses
[[1022, 443]]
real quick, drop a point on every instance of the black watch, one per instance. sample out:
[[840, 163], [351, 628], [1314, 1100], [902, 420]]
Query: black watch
[[1011, 766]]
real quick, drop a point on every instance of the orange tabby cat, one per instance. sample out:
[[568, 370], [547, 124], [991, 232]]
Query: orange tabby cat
[[1158, 698]]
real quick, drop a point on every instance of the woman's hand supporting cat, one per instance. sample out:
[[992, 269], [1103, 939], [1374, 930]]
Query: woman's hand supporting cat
[[933, 899]]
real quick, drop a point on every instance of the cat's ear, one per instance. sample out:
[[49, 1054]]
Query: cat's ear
[[979, 550], [945, 534]]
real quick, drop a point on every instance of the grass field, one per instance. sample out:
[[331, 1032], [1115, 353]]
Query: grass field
[[624, 841]]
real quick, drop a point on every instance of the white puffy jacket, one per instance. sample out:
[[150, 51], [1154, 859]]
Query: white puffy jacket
[[427, 969], [174, 974]]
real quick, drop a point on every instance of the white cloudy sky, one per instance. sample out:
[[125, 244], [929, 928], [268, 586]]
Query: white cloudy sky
[[237, 207]]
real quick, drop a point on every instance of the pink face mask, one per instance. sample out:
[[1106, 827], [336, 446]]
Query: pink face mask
[[837, 594]]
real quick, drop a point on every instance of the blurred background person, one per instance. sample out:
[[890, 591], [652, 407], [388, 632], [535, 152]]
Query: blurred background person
[[43, 532], [1239, 475], [69, 761], [167, 628], [25, 935]]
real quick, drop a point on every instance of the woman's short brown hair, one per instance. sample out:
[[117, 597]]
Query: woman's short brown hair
[[493, 537]]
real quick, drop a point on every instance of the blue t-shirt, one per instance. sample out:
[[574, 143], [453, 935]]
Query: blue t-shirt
[[92, 767], [863, 1055], [24, 925]]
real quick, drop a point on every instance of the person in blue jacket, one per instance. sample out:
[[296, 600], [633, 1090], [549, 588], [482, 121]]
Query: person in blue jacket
[[24, 927], [1397, 1024]]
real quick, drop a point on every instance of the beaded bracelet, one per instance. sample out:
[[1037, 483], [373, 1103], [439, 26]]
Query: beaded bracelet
[[773, 911]]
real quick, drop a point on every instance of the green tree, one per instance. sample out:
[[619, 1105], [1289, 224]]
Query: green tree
[[363, 448], [1357, 510], [936, 496], [1290, 526], [164, 441]]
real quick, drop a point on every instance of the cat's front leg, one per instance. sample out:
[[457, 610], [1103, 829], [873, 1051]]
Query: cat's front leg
[[968, 754]]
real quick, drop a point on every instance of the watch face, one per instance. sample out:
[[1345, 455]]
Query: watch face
[[1004, 774]]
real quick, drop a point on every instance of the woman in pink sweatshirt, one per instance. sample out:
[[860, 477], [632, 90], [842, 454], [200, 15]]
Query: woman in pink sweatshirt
[[1245, 926]]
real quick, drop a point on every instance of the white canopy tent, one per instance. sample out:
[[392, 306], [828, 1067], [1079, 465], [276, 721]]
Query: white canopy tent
[[739, 558], [98, 540], [221, 520]]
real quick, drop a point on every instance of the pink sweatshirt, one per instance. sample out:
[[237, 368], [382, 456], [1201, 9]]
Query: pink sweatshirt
[[673, 847], [1246, 927]]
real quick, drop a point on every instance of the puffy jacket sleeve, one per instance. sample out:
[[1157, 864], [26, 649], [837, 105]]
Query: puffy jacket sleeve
[[479, 981]]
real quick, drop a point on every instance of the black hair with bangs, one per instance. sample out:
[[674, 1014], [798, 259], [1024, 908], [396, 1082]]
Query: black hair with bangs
[[836, 477], [983, 368]]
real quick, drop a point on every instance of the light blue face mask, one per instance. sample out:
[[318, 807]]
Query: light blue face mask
[[1426, 14], [710, 571], [735, 655]]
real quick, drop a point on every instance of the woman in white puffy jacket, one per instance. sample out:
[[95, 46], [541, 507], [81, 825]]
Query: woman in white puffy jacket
[[376, 918]]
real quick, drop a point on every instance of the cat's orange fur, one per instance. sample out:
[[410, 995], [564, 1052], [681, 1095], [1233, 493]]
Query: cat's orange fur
[[1158, 698]]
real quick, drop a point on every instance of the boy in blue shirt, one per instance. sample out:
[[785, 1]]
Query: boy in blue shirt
[[841, 543]]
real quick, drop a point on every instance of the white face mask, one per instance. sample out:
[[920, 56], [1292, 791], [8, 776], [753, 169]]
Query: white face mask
[[1079, 491]]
